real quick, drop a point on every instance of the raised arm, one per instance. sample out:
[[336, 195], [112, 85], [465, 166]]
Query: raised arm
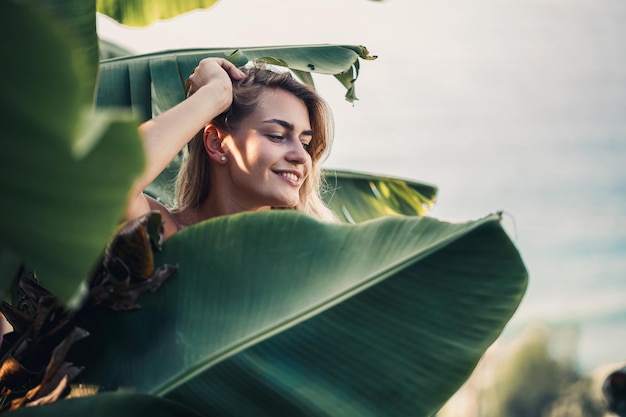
[[165, 135]]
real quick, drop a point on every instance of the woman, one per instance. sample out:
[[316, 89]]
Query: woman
[[259, 138]]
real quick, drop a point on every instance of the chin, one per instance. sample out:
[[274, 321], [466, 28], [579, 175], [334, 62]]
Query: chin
[[287, 203]]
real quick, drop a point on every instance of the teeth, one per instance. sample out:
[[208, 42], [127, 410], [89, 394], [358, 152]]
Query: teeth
[[289, 175]]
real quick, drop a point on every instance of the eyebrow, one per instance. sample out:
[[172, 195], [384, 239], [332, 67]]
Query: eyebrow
[[288, 126]]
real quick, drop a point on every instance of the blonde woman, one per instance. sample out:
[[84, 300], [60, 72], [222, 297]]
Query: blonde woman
[[257, 140]]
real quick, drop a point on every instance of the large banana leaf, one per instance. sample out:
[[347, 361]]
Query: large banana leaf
[[152, 83], [64, 171], [275, 313], [75, 21], [357, 196]]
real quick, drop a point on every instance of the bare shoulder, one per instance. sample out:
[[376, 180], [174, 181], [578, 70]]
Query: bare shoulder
[[170, 223]]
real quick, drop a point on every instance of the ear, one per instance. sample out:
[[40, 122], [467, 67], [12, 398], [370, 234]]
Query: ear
[[212, 138]]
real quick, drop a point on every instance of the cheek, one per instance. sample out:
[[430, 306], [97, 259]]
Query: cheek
[[256, 156], [246, 153]]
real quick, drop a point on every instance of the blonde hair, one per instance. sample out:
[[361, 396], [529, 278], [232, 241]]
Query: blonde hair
[[193, 181]]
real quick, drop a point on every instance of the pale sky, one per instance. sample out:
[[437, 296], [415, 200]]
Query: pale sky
[[272, 22]]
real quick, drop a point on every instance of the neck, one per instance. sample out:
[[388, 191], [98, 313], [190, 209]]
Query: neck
[[221, 204]]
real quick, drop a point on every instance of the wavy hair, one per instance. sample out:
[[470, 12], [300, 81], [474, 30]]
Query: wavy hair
[[193, 183]]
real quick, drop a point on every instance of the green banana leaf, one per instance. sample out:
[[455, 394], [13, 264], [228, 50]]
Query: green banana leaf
[[152, 83], [65, 171], [358, 196], [75, 21], [275, 313]]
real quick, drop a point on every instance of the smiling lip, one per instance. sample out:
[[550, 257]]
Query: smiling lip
[[293, 178]]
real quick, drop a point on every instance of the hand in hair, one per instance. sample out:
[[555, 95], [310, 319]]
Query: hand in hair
[[214, 70]]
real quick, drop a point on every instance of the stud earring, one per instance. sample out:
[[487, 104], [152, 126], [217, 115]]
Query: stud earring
[[223, 158]]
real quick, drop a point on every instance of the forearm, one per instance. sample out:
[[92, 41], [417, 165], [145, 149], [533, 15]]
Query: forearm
[[165, 135]]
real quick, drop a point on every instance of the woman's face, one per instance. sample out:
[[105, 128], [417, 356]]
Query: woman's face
[[268, 160]]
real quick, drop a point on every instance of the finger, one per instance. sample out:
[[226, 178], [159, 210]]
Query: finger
[[232, 70]]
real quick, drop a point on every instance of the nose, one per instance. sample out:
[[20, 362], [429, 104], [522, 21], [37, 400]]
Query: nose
[[297, 154]]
